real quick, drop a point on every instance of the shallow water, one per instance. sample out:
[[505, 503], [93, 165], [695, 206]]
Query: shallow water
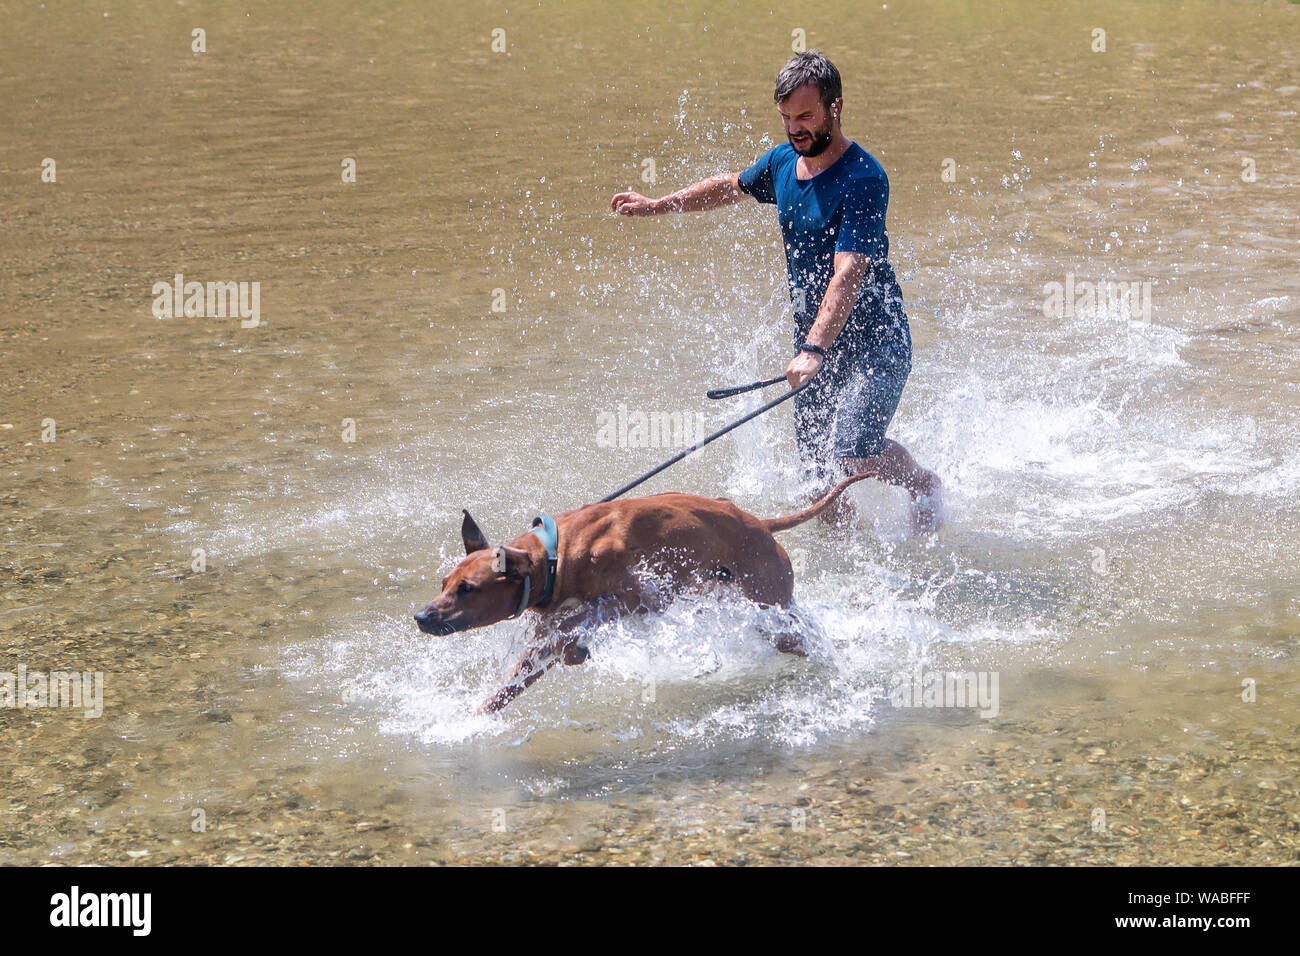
[[1121, 536]]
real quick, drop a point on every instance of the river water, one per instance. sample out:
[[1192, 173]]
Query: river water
[[234, 521]]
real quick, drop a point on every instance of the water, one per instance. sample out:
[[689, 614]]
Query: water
[[1120, 539]]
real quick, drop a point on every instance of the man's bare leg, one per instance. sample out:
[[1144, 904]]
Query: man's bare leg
[[895, 466]]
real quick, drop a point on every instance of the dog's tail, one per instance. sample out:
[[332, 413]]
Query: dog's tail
[[789, 521]]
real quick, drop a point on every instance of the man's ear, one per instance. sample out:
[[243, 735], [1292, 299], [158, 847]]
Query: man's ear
[[470, 534], [512, 562]]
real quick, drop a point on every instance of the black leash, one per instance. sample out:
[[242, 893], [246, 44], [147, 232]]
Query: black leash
[[737, 389], [718, 393]]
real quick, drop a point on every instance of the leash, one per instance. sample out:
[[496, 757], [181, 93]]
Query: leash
[[737, 389], [721, 393]]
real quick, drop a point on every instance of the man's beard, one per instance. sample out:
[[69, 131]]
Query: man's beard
[[820, 140]]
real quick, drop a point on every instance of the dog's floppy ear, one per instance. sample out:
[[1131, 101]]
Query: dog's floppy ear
[[471, 535], [512, 562]]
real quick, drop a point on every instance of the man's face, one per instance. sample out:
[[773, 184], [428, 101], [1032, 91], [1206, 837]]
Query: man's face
[[809, 126]]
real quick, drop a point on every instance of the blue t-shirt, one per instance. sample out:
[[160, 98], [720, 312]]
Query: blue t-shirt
[[841, 209]]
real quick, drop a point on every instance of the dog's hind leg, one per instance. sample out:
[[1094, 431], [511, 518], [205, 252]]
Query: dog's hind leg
[[788, 635], [788, 642]]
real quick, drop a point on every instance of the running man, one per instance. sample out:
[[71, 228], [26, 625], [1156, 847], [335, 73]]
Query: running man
[[850, 328]]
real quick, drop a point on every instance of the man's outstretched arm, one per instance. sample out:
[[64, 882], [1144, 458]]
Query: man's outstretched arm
[[712, 193]]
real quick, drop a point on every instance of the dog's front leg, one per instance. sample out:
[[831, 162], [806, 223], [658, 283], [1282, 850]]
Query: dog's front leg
[[535, 662], [586, 618], [527, 670], [556, 640]]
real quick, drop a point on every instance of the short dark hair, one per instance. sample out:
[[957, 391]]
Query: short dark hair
[[810, 67]]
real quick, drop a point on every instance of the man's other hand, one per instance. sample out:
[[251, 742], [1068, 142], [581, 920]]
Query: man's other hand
[[634, 204], [802, 367]]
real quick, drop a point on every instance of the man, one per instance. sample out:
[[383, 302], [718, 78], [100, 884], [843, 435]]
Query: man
[[851, 332]]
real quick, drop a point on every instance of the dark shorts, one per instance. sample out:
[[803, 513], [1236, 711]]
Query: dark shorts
[[846, 409]]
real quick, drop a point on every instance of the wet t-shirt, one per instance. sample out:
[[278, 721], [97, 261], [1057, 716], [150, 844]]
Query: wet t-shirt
[[841, 209]]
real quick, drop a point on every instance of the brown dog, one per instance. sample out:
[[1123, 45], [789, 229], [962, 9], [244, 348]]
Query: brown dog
[[684, 540]]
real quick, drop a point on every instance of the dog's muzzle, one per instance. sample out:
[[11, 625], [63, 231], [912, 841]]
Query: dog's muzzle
[[431, 624]]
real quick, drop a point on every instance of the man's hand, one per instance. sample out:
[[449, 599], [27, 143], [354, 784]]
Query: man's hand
[[634, 204], [802, 367]]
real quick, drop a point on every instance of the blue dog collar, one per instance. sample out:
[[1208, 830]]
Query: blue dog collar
[[547, 533]]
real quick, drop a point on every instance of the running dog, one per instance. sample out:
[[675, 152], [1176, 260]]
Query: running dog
[[570, 570]]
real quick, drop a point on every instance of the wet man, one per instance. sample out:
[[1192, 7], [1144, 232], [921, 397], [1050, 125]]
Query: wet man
[[850, 328]]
